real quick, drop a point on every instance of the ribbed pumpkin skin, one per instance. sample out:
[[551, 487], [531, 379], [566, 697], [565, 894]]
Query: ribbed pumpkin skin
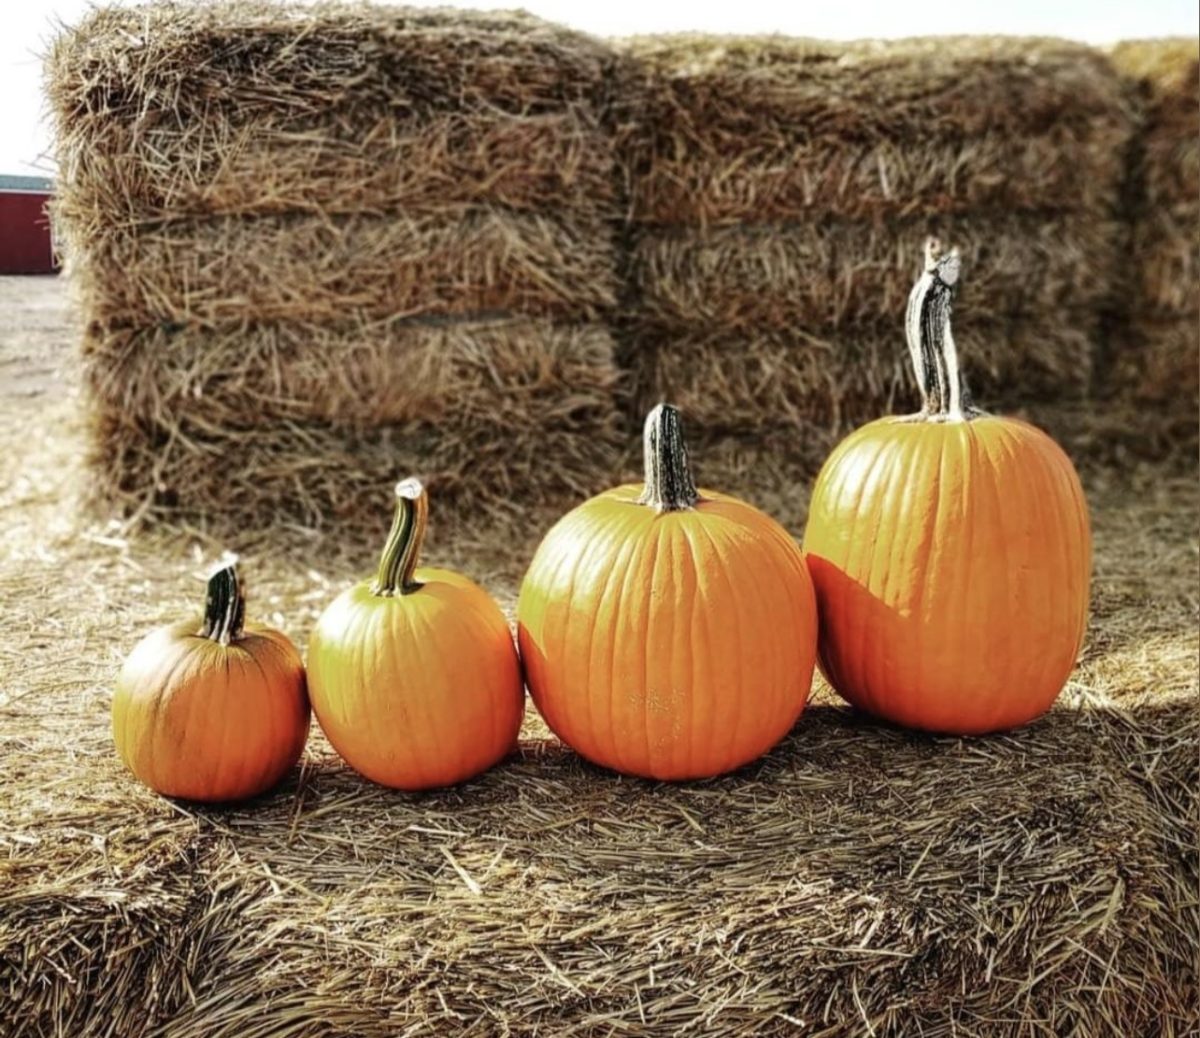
[[951, 562], [673, 645], [203, 721], [421, 690]]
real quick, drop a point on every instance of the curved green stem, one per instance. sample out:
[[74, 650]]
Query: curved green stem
[[944, 393], [669, 486], [398, 562], [224, 605]]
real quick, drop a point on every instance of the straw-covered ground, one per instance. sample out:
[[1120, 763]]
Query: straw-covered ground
[[858, 880]]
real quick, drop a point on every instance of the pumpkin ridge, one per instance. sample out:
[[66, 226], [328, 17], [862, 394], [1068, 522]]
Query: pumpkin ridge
[[854, 562], [593, 548]]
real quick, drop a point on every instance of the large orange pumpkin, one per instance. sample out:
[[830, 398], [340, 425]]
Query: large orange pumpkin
[[219, 713], [950, 550], [414, 676], [665, 632]]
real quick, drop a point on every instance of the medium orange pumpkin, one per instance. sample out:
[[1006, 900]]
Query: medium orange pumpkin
[[665, 632], [950, 550], [414, 676], [216, 714]]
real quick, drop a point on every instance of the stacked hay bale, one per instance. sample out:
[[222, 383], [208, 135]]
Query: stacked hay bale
[[1154, 365], [320, 248], [780, 193]]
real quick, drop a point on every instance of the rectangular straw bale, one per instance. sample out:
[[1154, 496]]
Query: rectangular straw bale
[[231, 61], [483, 443], [560, 161], [711, 87], [524, 373], [1163, 78], [839, 273], [754, 382], [684, 172], [316, 268]]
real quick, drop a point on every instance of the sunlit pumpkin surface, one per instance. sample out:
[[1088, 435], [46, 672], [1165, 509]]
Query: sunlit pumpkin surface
[[669, 645], [419, 690], [197, 719], [951, 562]]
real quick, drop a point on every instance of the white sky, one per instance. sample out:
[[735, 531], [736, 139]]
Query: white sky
[[26, 25]]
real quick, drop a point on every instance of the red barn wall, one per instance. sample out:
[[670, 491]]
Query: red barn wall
[[25, 246]]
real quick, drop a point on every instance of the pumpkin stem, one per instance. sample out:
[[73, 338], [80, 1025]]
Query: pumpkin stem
[[944, 393], [669, 486], [224, 605], [398, 562]]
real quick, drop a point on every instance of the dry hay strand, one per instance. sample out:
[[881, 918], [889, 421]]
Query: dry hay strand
[[559, 162], [753, 383], [727, 91], [1164, 80], [836, 273], [1165, 263], [1022, 886], [522, 373], [681, 172], [182, 430], [236, 61], [317, 269]]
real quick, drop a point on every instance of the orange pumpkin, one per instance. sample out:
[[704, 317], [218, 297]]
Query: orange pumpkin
[[216, 714], [950, 550], [665, 632], [414, 676]]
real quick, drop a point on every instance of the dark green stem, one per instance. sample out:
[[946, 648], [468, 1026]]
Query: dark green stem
[[224, 606], [669, 486], [398, 562], [944, 393]]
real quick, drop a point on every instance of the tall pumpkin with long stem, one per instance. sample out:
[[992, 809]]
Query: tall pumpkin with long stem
[[668, 632], [216, 713], [414, 676], [950, 550]]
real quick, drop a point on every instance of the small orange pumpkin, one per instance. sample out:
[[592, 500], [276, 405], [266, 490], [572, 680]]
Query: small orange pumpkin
[[414, 676], [665, 632], [950, 550], [216, 714]]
